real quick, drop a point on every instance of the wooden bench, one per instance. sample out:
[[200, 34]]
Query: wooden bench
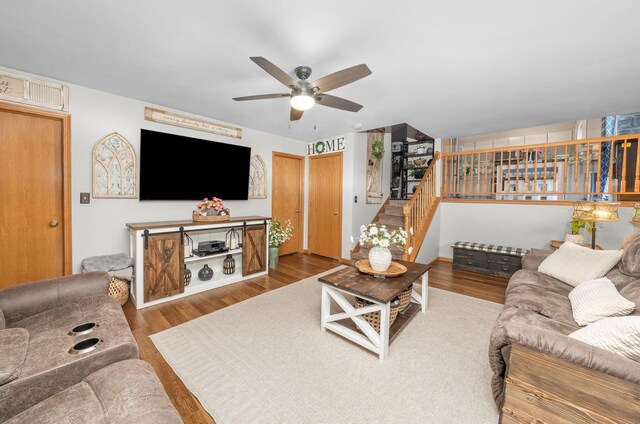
[[489, 259]]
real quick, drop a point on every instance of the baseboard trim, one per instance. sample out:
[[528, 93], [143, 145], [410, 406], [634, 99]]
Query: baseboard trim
[[443, 259], [344, 261]]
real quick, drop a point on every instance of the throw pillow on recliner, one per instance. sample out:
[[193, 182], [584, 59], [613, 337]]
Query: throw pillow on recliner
[[597, 299], [574, 264]]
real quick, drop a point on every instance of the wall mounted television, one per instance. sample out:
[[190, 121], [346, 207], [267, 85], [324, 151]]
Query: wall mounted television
[[174, 167]]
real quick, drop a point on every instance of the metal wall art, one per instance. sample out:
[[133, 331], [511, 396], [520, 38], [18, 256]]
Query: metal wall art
[[114, 168], [257, 178]]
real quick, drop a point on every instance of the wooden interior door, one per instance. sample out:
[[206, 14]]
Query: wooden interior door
[[35, 201], [163, 266], [288, 194], [254, 249], [325, 205]]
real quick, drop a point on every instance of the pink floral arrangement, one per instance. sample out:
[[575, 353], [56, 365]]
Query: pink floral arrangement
[[214, 203]]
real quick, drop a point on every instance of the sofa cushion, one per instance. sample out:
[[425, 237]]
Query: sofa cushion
[[49, 367], [620, 335], [14, 343], [575, 264], [126, 392], [87, 309], [630, 263], [594, 300]]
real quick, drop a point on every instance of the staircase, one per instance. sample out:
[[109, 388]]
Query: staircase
[[391, 215], [413, 215]]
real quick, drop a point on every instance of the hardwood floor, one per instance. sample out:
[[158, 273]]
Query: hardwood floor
[[291, 268]]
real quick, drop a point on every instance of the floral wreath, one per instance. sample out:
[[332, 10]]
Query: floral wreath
[[320, 147]]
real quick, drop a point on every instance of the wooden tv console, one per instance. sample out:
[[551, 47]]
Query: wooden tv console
[[162, 253]]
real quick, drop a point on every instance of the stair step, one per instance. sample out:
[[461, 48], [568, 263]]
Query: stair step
[[393, 210], [397, 202], [391, 221]]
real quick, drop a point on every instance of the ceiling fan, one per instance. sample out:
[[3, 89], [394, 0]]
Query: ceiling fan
[[305, 94]]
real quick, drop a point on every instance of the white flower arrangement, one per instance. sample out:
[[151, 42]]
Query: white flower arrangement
[[382, 237], [279, 233]]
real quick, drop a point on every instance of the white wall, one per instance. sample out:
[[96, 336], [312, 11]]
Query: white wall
[[430, 249], [363, 213], [99, 228], [516, 225]]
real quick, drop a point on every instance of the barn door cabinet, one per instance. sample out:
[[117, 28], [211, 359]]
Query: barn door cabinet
[[163, 253]]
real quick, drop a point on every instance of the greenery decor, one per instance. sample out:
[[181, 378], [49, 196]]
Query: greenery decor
[[418, 173], [382, 237], [278, 233], [576, 224], [320, 147], [377, 149]]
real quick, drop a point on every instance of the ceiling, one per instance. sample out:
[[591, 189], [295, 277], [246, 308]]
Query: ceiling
[[449, 68]]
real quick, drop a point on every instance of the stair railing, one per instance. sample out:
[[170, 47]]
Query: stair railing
[[419, 210]]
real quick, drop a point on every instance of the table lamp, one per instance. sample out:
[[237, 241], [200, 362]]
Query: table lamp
[[635, 217], [595, 212]]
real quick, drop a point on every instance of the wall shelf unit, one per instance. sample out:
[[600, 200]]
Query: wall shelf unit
[[408, 146], [162, 252]]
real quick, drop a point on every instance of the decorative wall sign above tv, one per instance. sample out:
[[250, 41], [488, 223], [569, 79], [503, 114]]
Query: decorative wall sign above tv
[[325, 146], [114, 168], [171, 118], [31, 91], [257, 178]]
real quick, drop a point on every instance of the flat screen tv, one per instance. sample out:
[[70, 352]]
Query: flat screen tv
[[174, 167]]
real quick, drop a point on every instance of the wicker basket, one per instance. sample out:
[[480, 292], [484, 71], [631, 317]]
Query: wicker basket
[[119, 290], [197, 217], [405, 298], [373, 318]]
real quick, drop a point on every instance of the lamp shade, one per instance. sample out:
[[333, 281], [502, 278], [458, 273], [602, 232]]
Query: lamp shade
[[302, 101], [635, 217], [596, 211]]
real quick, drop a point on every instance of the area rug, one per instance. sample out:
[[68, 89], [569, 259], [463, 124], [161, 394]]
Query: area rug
[[265, 360]]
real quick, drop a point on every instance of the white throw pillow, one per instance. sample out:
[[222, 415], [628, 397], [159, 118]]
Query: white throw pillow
[[594, 300], [574, 264], [620, 335]]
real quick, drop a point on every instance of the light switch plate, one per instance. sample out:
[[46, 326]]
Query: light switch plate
[[85, 198]]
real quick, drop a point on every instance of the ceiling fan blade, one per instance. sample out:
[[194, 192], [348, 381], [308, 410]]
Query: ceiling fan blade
[[295, 114], [274, 71], [337, 102], [262, 97], [340, 78]]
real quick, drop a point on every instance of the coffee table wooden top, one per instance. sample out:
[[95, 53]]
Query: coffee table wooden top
[[382, 290]]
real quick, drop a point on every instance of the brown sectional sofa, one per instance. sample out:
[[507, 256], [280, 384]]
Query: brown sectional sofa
[[35, 322], [537, 314], [127, 392]]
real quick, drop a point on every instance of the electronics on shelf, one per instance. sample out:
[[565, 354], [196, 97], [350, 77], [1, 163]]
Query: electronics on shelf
[[210, 247]]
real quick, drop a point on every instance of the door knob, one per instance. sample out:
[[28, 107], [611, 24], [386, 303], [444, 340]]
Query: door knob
[[336, 213], [297, 211], [53, 223]]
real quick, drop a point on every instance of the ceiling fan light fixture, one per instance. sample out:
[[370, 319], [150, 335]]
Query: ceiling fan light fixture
[[302, 101]]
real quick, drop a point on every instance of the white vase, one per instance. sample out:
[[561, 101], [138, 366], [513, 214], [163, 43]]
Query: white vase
[[574, 238], [380, 258]]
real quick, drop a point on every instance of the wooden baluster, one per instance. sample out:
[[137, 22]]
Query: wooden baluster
[[517, 171], [566, 169], [597, 191], [544, 170], [555, 169], [575, 170], [636, 184], [444, 176], [623, 180], [492, 168], [587, 166], [611, 154]]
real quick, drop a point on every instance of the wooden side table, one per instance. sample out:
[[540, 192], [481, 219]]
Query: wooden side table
[[557, 243]]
